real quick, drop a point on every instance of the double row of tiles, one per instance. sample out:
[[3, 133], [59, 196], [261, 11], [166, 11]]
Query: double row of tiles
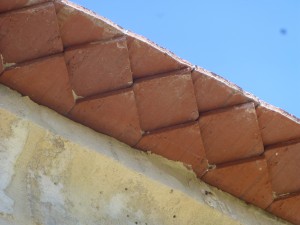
[[157, 113]]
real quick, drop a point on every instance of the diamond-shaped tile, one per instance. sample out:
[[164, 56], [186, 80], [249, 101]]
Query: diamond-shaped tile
[[212, 92], [45, 81], [284, 168], [147, 59], [287, 209], [97, 68], [114, 114], [231, 134], [29, 33], [166, 100], [80, 26], [276, 126], [180, 143], [248, 180]]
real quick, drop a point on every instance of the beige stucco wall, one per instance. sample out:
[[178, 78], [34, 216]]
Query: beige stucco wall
[[56, 172]]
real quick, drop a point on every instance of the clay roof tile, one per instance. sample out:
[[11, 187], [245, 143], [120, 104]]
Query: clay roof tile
[[89, 69]]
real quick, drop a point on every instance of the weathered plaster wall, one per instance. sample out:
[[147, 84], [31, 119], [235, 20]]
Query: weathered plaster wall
[[56, 172]]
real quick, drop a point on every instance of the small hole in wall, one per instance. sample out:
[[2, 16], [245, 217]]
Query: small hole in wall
[[136, 222], [208, 193], [174, 216], [127, 216], [126, 189]]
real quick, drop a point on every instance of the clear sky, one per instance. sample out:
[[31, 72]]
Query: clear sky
[[254, 44]]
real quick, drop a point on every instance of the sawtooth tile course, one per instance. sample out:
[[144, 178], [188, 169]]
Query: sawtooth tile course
[[85, 67]]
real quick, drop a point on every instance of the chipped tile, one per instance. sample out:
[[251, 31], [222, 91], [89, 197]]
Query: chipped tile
[[287, 209], [283, 163], [248, 180], [80, 26], [29, 33], [99, 67], [276, 127], [114, 114], [45, 81], [7, 5], [212, 93], [147, 59], [231, 134], [166, 100], [180, 143]]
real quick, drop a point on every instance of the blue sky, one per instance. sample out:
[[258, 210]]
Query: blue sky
[[254, 44]]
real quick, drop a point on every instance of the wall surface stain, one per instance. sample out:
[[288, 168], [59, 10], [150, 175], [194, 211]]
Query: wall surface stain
[[56, 172]]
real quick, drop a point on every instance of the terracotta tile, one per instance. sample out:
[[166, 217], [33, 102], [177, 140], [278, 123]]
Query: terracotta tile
[[7, 5], [284, 168], [231, 134], [213, 93], [79, 26], [98, 68], [248, 180], [112, 114], [166, 100], [29, 33], [45, 81], [276, 127], [147, 59], [180, 143], [287, 209]]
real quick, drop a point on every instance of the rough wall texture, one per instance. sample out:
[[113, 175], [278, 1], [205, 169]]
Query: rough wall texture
[[54, 172]]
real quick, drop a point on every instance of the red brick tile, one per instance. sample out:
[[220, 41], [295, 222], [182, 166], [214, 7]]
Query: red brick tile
[[79, 26], [287, 209], [147, 59], [112, 114], [166, 100], [44, 81], [248, 180], [276, 126], [284, 168], [213, 93], [231, 134], [98, 68], [29, 33], [180, 143], [7, 5]]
